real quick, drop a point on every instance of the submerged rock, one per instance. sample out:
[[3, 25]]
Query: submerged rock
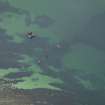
[[43, 21], [19, 74]]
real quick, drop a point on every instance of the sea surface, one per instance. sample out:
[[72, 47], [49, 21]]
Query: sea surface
[[63, 64]]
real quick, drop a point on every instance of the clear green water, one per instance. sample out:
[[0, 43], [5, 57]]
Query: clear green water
[[77, 25]]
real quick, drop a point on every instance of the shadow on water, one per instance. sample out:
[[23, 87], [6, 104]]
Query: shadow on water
[[43, 21], [94, 33], [18, 75], [6, 7]]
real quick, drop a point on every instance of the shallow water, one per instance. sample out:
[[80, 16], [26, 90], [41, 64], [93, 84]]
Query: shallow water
[[66, 57]]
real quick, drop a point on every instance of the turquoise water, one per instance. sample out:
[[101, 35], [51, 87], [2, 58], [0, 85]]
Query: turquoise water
[[68, 52]]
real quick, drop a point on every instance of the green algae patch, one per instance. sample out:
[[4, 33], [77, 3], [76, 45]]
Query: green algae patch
[[34, 68], [38, 79], [15, 27], [41, 81], [36, 9], [30, 61], [4, 72]]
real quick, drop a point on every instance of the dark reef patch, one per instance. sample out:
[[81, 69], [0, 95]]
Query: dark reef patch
[[5, 6], [93, 33], [43, 21], [18, 75]]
